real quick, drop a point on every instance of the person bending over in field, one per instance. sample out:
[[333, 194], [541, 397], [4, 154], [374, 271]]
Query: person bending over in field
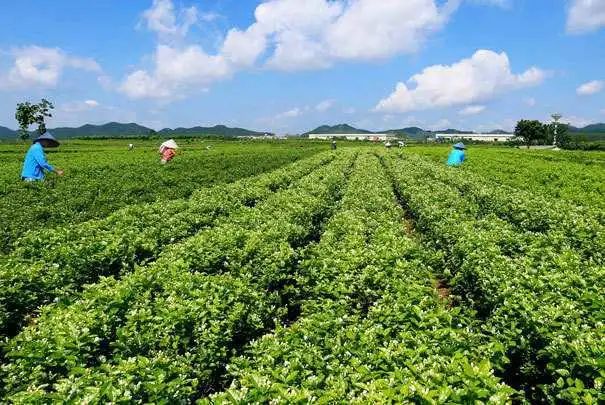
[[457, 155], [35, 163], [168, 151]]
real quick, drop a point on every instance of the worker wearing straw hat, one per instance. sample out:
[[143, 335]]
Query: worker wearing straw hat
[[35, 163], [457, 155], [168, 151]]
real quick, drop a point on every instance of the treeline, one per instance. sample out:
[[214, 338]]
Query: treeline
[[534, 132]]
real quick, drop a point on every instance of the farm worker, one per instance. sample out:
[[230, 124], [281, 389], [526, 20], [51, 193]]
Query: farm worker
[[457, 155], [401, 144], [168, 151], [130, 146], [388, 145], [333, 146], [35, 162]]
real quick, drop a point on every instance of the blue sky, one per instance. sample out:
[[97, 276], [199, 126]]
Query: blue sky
[[291, 65]]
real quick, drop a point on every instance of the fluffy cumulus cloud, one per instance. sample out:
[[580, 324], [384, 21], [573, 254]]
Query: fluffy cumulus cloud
[[585, 16], [162, 19], [286, 35], [590, 88], [36, 66], [479, 78], [316, 33]]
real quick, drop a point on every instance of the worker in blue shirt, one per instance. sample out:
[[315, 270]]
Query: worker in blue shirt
[[35, 162], [457, 155]]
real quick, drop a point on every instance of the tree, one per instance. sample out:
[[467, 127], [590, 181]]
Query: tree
[[563, 138], [28, 114], [530, 131]]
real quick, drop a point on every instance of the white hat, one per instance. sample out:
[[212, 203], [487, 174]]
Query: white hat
[[171, 144]]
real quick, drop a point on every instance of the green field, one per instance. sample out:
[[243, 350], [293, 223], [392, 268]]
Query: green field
[[288, 273]]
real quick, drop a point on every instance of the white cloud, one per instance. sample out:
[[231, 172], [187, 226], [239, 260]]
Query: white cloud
[[161, 19], [80, 106], [288, 35], [176, 71], [472, 110], [585, 16], [324, 105], [481, 77], [293, 113], [316, 33], [36, 66], [578, 122], [590, 88]]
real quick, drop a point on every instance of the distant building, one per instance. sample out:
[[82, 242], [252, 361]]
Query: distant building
[[353, 137], [475, 137]]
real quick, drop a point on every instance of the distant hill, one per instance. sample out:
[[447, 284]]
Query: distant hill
[[119, 130], [338, 129], [7, 133], [410, 132], [217, 130], [593, 128], [451, 131], [111, 129]]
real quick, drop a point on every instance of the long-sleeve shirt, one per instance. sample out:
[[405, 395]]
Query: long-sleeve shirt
[[35, 163], [456, 157]]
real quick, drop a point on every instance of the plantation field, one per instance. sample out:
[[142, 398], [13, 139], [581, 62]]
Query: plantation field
[[102, 176], [271, 272]]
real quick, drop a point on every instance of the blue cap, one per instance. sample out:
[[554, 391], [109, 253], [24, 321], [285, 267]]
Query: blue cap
[[459, 146], [49, 137]]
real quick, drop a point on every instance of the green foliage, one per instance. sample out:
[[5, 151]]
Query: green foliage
[[180, 318], [28, 114], [531, 267], [530, 131], [359, 276], [102, 177], [51, 264]]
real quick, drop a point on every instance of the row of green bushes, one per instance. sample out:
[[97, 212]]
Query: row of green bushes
[[49, 265], [533, 272], [164, 332]]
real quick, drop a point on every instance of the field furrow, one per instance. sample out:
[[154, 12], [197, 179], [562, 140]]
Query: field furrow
[[538, 293], [54, 264], [166, 330], [373, 328]]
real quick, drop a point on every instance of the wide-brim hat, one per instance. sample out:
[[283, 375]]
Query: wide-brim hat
[[459, 146], [53, 142], [169, 144]]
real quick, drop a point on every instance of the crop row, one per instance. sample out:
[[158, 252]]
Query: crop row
[[579, 228], [97, 183], [372, 327], [541, 299], [164, 332], [54, 264], [561, 175]]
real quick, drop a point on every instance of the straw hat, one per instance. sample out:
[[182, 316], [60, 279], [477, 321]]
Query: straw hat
[[460, 146], [53, 142]]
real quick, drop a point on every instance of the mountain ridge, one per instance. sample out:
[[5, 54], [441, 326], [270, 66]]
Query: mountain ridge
[[125, 130]]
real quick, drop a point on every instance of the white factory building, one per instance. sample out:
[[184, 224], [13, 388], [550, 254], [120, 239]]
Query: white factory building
[[353, 137], [475, 137]]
